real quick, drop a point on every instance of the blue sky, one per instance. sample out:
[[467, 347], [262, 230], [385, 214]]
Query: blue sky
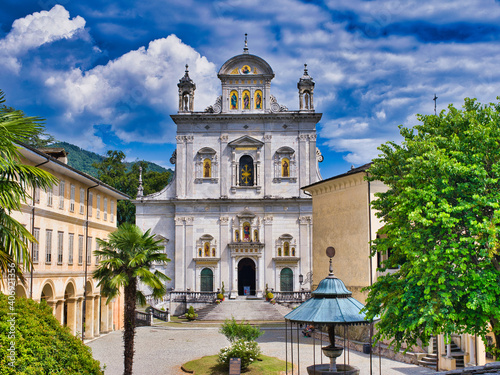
[[104, 73]]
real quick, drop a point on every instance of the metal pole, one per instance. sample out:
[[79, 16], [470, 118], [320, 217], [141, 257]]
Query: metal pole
[[298, 348], [291, 343], [371, 335], [286, 346], [84, 307], [379, 359], [314, 349]]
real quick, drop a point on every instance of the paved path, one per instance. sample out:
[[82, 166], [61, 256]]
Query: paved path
[[162, 350]]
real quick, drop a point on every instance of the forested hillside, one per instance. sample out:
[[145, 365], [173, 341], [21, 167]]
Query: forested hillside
[[82, 160]]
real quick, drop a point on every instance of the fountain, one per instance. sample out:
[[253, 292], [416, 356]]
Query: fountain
[[330, 304]]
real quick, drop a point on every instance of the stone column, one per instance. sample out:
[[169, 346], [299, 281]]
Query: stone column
[[472, 351], [89, 317], [189, 163], [303, 163], [268, 252], [59, 310], [180, 165], [97, 321], [104, 315], [79, 308], [179, 254], [224, 163], [71, 318], [225, 253], [312, 157], [268, 165], [305, 245], [190, 269], [234, 280], [260, 283]]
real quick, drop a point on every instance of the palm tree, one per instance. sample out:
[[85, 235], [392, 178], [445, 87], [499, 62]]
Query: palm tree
[[16, 181], [125, 259]]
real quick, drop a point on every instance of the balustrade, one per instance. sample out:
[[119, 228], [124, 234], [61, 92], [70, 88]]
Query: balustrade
[[292, 296]]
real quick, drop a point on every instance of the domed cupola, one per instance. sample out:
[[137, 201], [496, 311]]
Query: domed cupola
[[306, 91], [186, 92], [246, 84]]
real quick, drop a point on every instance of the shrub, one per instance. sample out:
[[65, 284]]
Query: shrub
[[191, 315], [42, 345], [269, 296], [248, 351], [220, 296], [239, 331]]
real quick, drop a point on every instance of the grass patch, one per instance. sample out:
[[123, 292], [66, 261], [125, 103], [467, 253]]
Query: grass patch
[[209, 366]]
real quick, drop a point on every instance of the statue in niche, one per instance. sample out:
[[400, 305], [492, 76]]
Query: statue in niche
[[236, 235], [213, 253], [206, 168], [279, 251], [199, 252], [293, 251], [258, 101], [207, 249], [286, 171], [286, 247], [186, 102], [246, 232], [306, 99], [256, 235], [246, 101], [234, 101]]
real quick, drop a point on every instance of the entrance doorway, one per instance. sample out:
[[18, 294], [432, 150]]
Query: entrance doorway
[[246, 277], [207, 280], [286, 280]]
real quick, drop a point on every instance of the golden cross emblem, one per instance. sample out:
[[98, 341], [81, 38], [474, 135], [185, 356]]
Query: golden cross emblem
[[246, 174]]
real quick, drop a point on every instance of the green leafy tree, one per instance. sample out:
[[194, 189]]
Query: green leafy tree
[[125, 259], [442, 226], [17, 180], [113, 171], [41, 344]]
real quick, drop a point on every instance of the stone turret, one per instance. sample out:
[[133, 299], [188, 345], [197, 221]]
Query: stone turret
[[186, 93], [306, 91]]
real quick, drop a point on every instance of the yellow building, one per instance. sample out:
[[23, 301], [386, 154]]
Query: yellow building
[[66, 221], [343, 219]]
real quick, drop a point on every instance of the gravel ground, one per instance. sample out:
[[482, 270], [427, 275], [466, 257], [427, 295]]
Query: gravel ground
[[162, 350]]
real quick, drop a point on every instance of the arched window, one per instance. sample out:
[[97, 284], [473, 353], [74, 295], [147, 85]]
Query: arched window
[[246, 99], [286, 280], [233, 98], [207, 168], [207, 280], [246, 171], [285, 167]]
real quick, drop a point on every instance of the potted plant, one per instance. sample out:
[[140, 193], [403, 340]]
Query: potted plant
[[191, 315], [269, 296]]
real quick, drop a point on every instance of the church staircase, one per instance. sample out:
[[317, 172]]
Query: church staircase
[[430, 359], [243, 309]]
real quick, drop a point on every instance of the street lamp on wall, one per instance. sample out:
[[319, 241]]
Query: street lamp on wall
[[301, 279]]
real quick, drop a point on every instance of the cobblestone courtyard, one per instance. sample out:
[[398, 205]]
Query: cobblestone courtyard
[[162, 350]]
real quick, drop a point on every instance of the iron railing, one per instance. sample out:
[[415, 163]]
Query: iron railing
[[292, 296]]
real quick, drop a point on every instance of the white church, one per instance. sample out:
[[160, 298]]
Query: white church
[[234, 212]]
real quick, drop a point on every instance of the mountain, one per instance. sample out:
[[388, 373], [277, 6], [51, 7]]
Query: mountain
[[82, 160]]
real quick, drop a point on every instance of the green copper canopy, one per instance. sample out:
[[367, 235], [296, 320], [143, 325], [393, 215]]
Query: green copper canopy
[[331, 303]]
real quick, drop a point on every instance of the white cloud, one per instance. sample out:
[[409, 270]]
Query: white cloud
[[360, 150], [145, 77], [339, 128], [36, 30]]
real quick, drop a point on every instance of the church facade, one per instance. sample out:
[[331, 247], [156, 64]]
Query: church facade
[[234, 212]]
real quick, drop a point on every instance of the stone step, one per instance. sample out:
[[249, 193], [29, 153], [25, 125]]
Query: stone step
[[256, 310]]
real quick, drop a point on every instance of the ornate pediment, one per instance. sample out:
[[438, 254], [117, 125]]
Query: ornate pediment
[[245, 141]]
